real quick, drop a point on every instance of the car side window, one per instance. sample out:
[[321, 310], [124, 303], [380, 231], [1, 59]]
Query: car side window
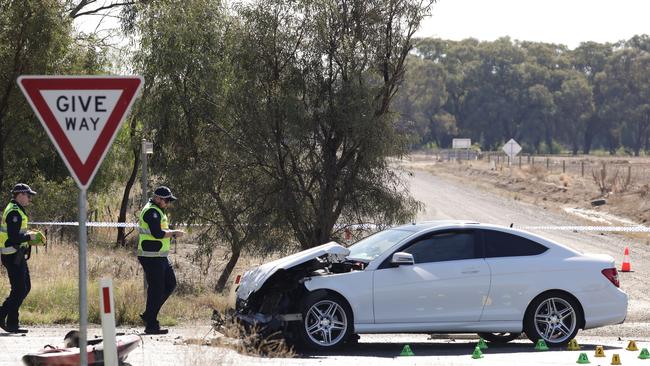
[[442, 247], [500, 244]]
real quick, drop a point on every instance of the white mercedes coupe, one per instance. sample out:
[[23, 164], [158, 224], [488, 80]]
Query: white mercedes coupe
[[433, 277]]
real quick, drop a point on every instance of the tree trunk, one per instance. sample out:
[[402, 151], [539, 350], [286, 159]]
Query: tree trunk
[[2, 156], [589, 136], [225, 274], [549, 141], [121, 236]]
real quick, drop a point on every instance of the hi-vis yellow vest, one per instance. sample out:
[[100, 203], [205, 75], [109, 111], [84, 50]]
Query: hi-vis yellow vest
[[3, 227], [145, 233]]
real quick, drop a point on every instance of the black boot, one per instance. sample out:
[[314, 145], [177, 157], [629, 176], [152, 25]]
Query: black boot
[[16, 330]]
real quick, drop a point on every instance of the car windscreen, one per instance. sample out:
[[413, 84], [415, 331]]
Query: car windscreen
[[371, 247]]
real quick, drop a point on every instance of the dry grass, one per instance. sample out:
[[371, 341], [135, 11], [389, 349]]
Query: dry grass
[[537, 171], [54, 295], [247, 342], [566, 180], [609, 181]]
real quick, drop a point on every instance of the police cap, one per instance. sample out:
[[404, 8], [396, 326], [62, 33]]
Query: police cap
[[23, 188], [164, 193]]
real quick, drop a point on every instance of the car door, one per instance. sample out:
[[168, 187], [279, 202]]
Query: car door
[[517, 265], [448, 282]]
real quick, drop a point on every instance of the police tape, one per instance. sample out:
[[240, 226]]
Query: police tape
[[629, 229], [94, 224]]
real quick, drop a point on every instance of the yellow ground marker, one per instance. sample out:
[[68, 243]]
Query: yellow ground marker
[[573, 345], [632, 346]]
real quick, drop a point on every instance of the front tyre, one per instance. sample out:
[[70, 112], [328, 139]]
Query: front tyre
[[326, 321], [554, 317]]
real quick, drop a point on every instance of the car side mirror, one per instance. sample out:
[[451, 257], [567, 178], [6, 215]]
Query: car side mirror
[[401, 258]]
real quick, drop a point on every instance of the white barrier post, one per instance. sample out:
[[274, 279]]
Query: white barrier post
[[107, 310]]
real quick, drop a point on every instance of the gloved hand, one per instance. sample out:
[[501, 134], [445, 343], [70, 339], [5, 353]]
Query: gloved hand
[[38, 240]]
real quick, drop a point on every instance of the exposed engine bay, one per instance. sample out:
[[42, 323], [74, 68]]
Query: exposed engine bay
[[278, 301]]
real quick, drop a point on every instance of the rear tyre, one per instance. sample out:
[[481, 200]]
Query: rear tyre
[[326, 322], [554, 317], [499, 337]]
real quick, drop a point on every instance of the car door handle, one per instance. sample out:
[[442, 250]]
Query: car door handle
[[469, 271]]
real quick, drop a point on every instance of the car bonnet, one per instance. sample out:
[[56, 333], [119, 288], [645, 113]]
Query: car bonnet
[[256, 277]]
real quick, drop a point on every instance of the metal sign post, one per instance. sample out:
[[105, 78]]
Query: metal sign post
[[83, 292]]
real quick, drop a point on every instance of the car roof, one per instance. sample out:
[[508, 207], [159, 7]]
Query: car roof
[[425, 225], [432, 225]]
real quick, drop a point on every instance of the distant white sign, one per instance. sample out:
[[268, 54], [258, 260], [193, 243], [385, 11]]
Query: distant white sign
[[511, 148], [461, 143]]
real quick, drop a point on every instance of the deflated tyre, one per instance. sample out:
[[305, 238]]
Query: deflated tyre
[[326, 321]]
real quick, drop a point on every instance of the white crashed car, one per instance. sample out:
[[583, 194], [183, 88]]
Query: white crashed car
[[434, 277]]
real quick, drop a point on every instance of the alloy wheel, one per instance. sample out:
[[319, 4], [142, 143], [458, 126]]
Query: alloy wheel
[[326, 323], [555, 320]]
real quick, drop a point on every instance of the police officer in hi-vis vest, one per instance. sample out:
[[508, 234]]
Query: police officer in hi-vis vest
[[153, 247], [14, 238]]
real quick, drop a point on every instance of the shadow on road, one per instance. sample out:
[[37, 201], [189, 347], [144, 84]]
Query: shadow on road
[[390, 350]]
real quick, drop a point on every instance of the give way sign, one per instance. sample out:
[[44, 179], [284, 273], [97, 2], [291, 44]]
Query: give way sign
[[82, 115]]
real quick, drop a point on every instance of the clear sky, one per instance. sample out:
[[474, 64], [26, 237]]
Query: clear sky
[[567, 22]]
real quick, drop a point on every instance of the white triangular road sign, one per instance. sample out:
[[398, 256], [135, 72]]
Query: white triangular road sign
[[82, 115]]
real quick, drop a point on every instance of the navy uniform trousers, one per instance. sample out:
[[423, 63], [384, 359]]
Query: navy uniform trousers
[[161, 282], [20, 286]]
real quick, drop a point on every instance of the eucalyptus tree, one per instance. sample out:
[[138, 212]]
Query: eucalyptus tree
[[459, 59], [494, 97], [590, 58], [575, 106], [420, 104], [34, 38], [37, 37], [186, 56], [317, 83], [626, 86]]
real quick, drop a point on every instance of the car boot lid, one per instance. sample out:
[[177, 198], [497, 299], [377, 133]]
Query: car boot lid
[[256, 277]]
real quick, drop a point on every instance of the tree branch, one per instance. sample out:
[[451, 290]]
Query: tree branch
[[76, 12]]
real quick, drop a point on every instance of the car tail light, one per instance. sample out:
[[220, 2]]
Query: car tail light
[[612, 275], [239, 278]]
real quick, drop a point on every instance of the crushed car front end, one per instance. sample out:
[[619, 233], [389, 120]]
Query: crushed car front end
[[269, 297]]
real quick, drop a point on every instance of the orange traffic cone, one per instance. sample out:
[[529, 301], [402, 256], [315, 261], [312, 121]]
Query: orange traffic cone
[[626, 267]]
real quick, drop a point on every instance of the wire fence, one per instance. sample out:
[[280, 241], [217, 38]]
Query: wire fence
[[584, 166]]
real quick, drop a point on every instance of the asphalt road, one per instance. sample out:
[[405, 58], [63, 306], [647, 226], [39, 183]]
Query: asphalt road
[[444, 199]]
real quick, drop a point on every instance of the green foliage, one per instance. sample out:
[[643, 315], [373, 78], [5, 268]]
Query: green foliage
[[320, 83], [534, 92], [36, 37], [277, 115]]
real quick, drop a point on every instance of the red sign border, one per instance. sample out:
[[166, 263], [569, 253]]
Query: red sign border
[[32, 85]]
